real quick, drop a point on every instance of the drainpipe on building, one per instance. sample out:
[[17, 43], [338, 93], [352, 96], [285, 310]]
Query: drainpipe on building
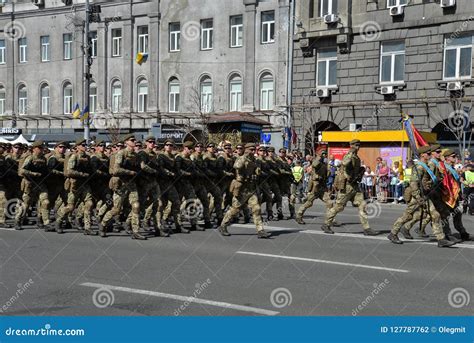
[[289, 96], [13, 64]]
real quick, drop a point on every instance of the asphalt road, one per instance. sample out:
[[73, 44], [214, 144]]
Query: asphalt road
[[299, 271]]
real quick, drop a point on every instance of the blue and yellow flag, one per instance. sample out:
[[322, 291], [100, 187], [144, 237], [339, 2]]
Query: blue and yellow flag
[[85, 113], [141, 58], [77, 112]]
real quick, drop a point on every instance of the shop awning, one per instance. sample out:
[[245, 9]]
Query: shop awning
[[373, 136]]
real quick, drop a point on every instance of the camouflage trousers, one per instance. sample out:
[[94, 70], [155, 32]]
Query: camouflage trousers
[[81, 195], [266, 196], [169, 194], [150, 195], [34, 193], [277, 198], [188, 208], [245, 197], [127, 192], [215, 203], [316, 191], [201, 193], [350, 193]]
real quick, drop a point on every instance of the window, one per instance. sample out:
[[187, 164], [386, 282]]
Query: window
[[2, 100], [143, 39], [268, 27], [174, 95], [458, 58], [45, 99], [44, 48], [235, 96], [22, 47], [22, 100], [206, 95], [392, 68], [93, 43], [67, 96], [327, 68], [67, 44], [175, 36], [3, 55], [328, 7], [116, 42], [116, 96], [207, 29], [93, 98], [142, 96], [394, 3], [236, 31], [266, 92]]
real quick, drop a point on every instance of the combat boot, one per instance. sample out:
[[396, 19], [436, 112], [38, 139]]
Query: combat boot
[[223, 231], [181, 229], [281, 216], [394, 239], [102, 230], [48, 228], [58, 228], [208, 225], [159, 232], [370, 232], [17, 226], [263, 234], [300, 220], [454, 239], [406, 233], [327, 229], [465, 236], [292, 215], [138, 236], [127, 228], [89, 232], [444, 243]]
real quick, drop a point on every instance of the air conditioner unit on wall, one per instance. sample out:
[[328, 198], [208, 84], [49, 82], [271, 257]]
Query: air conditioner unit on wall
[[448, 3], [397, 10], [322, 92], [454, 86], [331, 18], [386, 90]]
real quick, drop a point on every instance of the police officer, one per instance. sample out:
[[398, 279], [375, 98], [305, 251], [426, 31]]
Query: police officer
[[244, 191], [351, 172]]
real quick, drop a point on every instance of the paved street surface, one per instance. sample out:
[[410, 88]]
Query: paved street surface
[[300, 271]]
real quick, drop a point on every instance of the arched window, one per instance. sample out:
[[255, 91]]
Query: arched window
[[116, 96], [174, 88], [235, 93], [44, 92], [22, 100], [67, 98], [142, 91], [93, 98], [266, 92], [3, 97], [206, 94]]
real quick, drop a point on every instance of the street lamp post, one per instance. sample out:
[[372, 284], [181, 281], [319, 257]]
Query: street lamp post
[[87, 74]]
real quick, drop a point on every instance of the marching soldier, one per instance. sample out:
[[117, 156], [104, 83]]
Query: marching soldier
[[244, 190], [55, 179], [215, 172], [101, 192], [225, 162], [33, 170], [200, 182], [124, 172], [77, 172], [3, 174], [13, 185], [263, 186], [317, 186], [273, 183], [350, 174], [284, 181]]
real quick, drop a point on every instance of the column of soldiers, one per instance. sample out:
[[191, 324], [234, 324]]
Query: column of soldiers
[[131, 185]]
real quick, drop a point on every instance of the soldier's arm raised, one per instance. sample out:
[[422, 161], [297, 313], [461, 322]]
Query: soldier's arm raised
[[25, 169], [71, 168]]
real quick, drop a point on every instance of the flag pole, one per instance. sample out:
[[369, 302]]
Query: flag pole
[[87, 134]]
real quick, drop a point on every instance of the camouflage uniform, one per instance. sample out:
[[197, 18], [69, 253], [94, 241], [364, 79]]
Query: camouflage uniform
[[3, 173], [225, 162], [13, 186], [274, 185], [214, 174], [265, 193], [284, 183], [200, 182], [101, 193]]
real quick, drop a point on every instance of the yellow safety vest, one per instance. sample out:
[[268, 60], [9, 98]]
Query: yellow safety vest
[[297, 173]]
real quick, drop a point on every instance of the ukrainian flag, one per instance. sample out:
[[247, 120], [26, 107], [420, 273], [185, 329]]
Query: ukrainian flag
[[141, 58], [77, 112], [85, 113]]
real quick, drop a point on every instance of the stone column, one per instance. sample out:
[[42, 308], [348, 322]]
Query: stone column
[[128, 58], [250, 22], [153, 59], [102, 68]]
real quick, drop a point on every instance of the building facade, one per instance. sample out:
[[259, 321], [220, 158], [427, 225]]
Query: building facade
[[358, 64], [200, 60]]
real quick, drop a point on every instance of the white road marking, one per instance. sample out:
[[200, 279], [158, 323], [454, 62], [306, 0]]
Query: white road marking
[[382, 237], [183, 298], [324, 261], [6, 229]]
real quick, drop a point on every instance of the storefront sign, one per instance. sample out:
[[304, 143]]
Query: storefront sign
[[10, 131]]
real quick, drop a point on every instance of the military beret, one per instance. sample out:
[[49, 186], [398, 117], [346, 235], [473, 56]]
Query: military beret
[[138, 143], [37, 144], [271, 149], [448, 152], [424, 150], [211, 145], [80, 141], [249, 145], [354, 142], [60, 143], [188, 144], [127, 137], [435, 147], [150, 138]]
